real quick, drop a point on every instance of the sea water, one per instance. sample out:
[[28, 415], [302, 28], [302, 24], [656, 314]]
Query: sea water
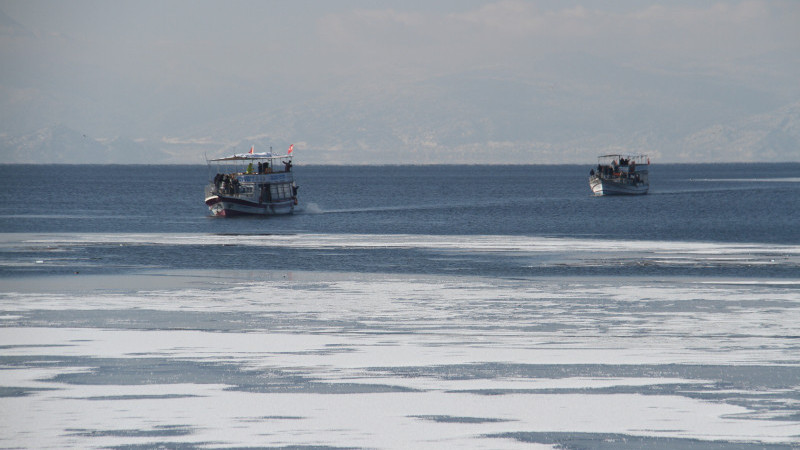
[[401, 307]]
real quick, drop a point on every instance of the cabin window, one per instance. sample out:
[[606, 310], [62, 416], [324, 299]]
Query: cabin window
[[282, 191]]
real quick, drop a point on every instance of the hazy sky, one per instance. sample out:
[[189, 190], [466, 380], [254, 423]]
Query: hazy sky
[[144, 66]]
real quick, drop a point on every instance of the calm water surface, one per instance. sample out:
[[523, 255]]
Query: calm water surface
[[433, 307]]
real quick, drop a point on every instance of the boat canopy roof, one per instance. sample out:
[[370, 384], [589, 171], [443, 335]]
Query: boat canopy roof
[[251, 157], [639, 158]]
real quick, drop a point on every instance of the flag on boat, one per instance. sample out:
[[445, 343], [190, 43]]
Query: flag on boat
[[291, 147], [252, 147]]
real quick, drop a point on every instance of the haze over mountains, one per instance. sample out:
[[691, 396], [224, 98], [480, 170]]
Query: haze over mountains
[[65, 101]]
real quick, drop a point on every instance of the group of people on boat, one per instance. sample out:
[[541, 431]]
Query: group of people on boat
[[266, 168], [262, 168], [624, 162], [612, 171], [226, 183]]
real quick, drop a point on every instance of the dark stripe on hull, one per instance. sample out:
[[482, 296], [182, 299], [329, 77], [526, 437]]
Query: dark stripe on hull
[[608, 187], [231, 207]]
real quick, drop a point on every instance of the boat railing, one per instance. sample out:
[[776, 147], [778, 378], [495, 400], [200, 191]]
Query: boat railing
[[250, 164], [265, 170], [229, 190], [624, 160]]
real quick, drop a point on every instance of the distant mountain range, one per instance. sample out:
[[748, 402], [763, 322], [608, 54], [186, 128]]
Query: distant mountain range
[[62, 145], [563, 108], [774, 136], [395, 137]]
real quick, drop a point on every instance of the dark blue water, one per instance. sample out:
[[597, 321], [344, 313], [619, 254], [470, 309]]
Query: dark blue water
[[705, 202], [528, 279], [722, 203]]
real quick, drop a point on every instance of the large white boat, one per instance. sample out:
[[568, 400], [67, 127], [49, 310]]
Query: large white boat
[[620, 175], [251, 184]]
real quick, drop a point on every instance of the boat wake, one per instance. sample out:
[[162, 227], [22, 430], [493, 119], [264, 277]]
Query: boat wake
[[710, 190], [750, 180], [726, 185], [313, 208], [308, 208]]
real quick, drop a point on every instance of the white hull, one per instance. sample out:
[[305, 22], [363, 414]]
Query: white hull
[[610, 187]]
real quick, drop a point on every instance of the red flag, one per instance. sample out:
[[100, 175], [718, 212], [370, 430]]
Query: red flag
[[251, 149], [291, 147]]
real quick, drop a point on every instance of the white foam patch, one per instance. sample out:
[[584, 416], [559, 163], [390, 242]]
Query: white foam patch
[[487, 243], [425, 320], [364, 329], [405, 322], [528, 251], [388, 421]]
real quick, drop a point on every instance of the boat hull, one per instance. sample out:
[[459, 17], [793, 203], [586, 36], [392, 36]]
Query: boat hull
[[223, 206], [610, 187]]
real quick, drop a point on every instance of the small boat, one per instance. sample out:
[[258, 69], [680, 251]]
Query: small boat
[[620, 175], [251, 184]]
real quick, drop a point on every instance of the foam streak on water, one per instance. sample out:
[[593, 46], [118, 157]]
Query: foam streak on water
[[566, 250]]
